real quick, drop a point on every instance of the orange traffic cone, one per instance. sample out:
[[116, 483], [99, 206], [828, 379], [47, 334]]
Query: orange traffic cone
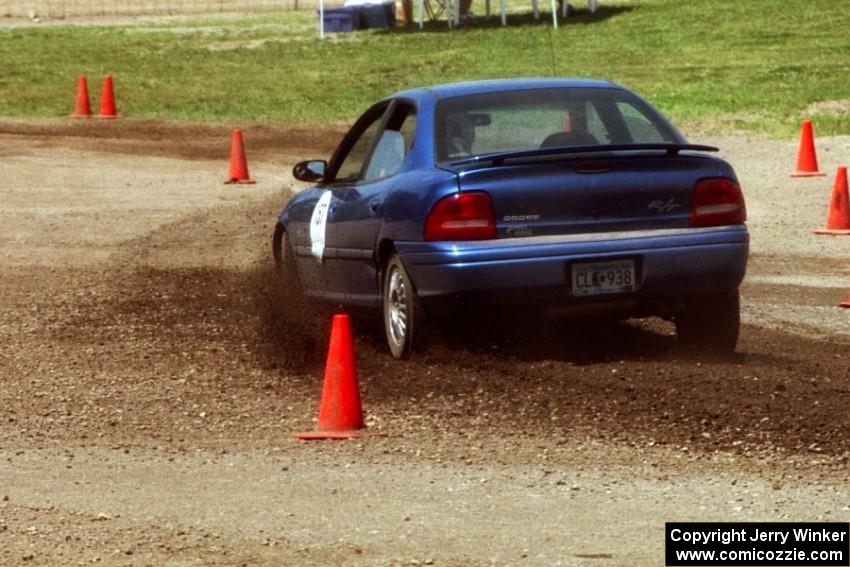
[[340, 414], [838, 218], [82, 109], [807, 159], [238, 163], [107, 99]]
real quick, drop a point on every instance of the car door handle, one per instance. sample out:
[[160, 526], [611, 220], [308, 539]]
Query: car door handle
[[375, 205]]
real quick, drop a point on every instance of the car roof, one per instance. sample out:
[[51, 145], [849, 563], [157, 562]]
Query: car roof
[[480, 87]]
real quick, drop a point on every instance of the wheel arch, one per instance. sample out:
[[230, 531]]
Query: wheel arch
[[383, 253]]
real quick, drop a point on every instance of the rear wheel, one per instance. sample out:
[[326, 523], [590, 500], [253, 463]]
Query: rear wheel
[[710, 323], [402, 315]]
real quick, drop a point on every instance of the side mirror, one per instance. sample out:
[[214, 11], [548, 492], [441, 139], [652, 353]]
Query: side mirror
[[310, 170]]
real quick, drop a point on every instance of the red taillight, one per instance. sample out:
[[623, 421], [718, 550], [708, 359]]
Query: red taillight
[[464, 216], [717, 201]]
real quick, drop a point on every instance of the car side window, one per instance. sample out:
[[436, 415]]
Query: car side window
[[352, 164], [394, 144], [387, 157]]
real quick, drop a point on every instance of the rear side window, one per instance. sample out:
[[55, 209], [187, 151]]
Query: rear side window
[[538, 118], [596, 125], [408, 127], [640, 128]]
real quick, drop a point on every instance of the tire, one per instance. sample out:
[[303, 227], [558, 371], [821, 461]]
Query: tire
[[402, 314], [710, 323], [284, 259], [277, 243]]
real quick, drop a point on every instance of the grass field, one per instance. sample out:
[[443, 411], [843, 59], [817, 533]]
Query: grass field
[[714, 64]]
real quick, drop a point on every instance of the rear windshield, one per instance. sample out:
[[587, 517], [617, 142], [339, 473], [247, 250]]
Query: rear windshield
[[543, 118]]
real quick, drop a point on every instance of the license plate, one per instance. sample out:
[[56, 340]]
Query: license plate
[[596, 278]]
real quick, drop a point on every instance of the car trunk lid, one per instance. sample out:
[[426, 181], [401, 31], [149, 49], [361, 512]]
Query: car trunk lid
[[589, 194]]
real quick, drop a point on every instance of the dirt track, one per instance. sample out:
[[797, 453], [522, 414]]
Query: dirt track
[[151, 383]]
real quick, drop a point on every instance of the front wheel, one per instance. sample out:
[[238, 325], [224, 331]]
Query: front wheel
[[402, 316], [284, 259], [710, 323]]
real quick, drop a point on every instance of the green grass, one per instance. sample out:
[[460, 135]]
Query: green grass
[[713, 64]]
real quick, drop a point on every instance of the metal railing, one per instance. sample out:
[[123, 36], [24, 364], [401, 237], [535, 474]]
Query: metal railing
[[94, 8]]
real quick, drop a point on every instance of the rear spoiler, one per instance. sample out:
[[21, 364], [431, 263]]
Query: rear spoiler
[[499, 158]]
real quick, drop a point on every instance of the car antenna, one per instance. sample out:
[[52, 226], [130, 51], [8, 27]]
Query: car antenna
[[552, 50]]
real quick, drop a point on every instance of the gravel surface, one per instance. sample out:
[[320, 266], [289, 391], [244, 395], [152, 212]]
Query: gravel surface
[[152, 377]]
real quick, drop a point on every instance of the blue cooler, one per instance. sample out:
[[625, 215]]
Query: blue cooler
[[341, 19], [374, 14]]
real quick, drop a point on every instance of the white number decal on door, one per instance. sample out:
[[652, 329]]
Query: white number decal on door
[[318, 225]]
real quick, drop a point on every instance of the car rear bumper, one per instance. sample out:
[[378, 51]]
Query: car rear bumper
[[669, 263]]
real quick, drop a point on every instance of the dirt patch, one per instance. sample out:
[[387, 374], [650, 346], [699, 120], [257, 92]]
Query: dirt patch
[[829, 107], [154, 369], [206, 279], [114, 538], [231, 328], [186, 141]]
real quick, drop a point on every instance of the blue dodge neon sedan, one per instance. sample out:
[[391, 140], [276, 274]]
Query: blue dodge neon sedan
[[564, 194]]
